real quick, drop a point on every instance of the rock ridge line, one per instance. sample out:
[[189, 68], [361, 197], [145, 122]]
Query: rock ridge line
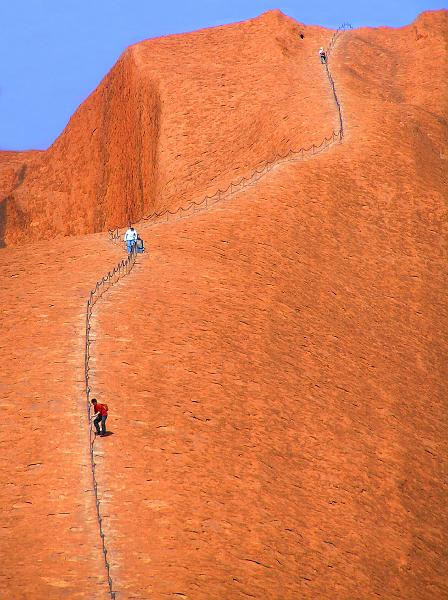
[[290, 157]]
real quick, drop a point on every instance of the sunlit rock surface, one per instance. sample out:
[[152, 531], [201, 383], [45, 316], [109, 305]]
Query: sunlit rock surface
[[275, 367]]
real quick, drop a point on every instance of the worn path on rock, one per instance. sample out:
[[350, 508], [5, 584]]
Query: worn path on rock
[[129, 579], [49, 542]]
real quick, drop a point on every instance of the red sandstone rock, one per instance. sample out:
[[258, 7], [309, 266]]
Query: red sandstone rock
[[274, 367], [49, 541], [176, 118]]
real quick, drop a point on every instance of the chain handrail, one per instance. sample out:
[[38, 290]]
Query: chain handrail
[[125, 266], [292, 155]]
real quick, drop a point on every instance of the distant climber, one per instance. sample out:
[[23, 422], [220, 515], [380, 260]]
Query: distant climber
[[100, 416], [130, 237], [139, 245], [322, 55]]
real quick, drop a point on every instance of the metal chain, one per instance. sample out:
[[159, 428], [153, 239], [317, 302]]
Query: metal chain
[[204, 203], [124, 267]]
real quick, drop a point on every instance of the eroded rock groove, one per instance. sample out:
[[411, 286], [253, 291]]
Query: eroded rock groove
[[123, 268]]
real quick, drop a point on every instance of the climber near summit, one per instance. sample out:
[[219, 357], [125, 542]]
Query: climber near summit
[[130, 237], [322, 55], [99, 416]]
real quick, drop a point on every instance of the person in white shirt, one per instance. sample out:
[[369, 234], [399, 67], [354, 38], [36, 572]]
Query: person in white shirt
[[323, 56], [130, 237]]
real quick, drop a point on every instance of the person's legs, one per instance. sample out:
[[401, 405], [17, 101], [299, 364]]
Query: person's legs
[[96, 422], [129, 245], [103, 425]]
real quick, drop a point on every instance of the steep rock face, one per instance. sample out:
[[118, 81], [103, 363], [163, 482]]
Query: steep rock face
[[275, 368], [13, 169], [276, 365], [176, 118]]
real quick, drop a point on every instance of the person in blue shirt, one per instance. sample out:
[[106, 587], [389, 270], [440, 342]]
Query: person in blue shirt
[[139, 245]]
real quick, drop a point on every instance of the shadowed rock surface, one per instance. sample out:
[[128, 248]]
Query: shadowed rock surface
[[274, 367], [176, 117]]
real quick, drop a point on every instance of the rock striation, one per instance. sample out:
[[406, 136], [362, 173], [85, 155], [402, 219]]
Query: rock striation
[[274, 366]]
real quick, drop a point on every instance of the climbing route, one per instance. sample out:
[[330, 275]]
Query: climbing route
[[125, 267]]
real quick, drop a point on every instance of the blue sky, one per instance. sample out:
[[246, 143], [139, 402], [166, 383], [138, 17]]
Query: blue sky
[[53, 53]]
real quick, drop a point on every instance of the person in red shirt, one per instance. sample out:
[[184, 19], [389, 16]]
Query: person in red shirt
[[100, 416]]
